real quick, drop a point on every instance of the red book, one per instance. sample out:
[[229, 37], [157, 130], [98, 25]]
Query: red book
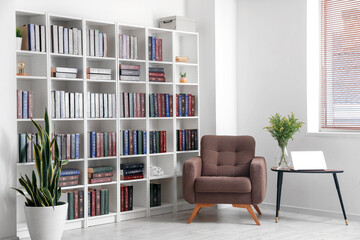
[[163, 111], [193, 106], [180, 140], [68, 146], [161, 142], [160, 49], [126, 104], [130, 177], [110, 144], [68, 178], [135, 105], [159, 105], [143, 105], [93, 202], [76, 204], [113, 143], [100, 180], [156, 74], [101, 144], [97, 144], [163, 134], [171, 105], [126, 190], [19, 104], [138, 108], [31, 104], [157, 54], [177, 105], [100, 175], [189, 105], [129, 67], [98, 203], [122, 199], [131, 143], [68, 183], [157, 79]]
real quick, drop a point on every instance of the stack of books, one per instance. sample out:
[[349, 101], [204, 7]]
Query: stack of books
[[185, 105], [161, 105], [127, 198], [97, 42], [75, 201], [24, 104], [100, 174], [129, 72], [156, 74], [157, 141], [98, 202], [69, 177], [102, 144], [155, 48], [187, 139], [132, 105], [68, 145], [101, 105], [63, 72], [26, 148], [129, 171], [155, 194], [98, 73], [66, 40], [128, 46], [134, 142], [66, 105], [33, 38]]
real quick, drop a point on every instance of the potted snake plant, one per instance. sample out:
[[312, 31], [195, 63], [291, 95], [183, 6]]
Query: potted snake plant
[[45, 214]]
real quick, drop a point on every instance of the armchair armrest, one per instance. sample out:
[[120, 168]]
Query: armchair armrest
[[191, 170], [258, 180]]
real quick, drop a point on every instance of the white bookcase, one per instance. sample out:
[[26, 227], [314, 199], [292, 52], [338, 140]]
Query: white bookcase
[[175, 43]]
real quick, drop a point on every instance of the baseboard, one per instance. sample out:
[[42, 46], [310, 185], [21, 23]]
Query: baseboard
[[311, 211], [11, 238]]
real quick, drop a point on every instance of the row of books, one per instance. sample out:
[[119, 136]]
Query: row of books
[[101, 105], [155, 48], [185, 105], [100, 174], [26, 148], [24, 104], [75, 201], [155, 194], [160, 105], [98, 202], [98, 73], [127, 198], [68, 145], [129, 72], [187, 139], [33, 37], [102, 144], [134, 142], [156, 74], [66, 40], [97, 42], [129, 171], [157, 141], [132, 104], [64, 72], [66, 105], [128, 46], [69, 177]]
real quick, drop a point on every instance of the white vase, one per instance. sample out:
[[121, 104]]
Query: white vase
[[18, 43], [45, 223]]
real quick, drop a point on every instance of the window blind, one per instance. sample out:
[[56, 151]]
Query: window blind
[[340, 64]]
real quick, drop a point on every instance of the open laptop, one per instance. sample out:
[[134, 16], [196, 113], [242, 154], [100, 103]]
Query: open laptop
[[308, 160]]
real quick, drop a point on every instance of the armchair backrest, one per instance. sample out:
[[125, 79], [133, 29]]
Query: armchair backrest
[[227, 155]]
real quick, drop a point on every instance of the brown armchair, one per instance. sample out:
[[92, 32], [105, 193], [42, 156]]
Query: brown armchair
[[226, 173]]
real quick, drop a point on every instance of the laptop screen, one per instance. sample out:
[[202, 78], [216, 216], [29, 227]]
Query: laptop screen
[[308, 160]]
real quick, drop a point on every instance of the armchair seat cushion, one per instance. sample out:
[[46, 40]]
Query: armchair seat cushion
[[216, 184]]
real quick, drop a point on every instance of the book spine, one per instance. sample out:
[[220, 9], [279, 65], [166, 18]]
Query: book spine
[[25, 104], [32, 37], [19, 104], [69, 172], [98, 203], [101, 45], [71, 206], [81, 204], [69, 178], [124, 46], [67, 105], [157, 56], [125, 166], [106, 144], [37, 38], [163, 106], [140, 142], [68, 146], [43, 38], [160, 50], [105, 47], [61, 39], [101, 105], [150, 48], [81, 110], [164, 141], [96, 43], [100, 175], [159, 194], [76, 205], [28, 148], [72, 105], [22, 147], [153, 49], [193, 105], [79, 42], [114, 143], [75, 41], [151, 195], [135, 142], [101, 144], [131, 104], [156, 74], [93, 203], [186, 105], [155, 195], [77, 145], [66, 40], [71, 42], [156, 105], [171, 105], [131, 177], [122, 195], [107, 201], [129, 67], [102, 202], [131, 143], [151, 105], [144, 143], [127, 47], [126, 198], [131, 197], [127, 172], [143, 105], [100, 169], [92, 42], [160, 104], [89, 204]]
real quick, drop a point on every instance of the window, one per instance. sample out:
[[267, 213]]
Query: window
[[340, 64]]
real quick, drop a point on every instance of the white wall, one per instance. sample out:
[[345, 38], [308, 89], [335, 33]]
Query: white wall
[[272, 78]]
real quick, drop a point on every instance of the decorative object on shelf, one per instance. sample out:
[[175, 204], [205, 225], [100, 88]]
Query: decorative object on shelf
[[45, 214], [18, 39], [181, 59], [282, 130], [21, 69], [178, 23], [156, 171], [183, 78]]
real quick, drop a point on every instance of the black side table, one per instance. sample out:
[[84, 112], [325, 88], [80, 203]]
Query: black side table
[[280, 173]]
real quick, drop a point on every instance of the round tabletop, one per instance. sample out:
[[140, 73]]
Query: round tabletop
[[291, 170]]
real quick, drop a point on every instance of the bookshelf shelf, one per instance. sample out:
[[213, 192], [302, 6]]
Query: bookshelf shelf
[[41, 82]]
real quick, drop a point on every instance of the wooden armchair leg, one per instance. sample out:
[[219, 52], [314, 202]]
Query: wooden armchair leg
[[197, 209], [250, 210], [257, 209]]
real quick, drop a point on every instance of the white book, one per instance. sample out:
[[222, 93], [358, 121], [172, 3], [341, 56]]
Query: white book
[[77, 105], [57, 103], [66, 40], [75, 41], [101, 44], [72, 105], [54, 34], [128, 42], [97, 106], [43, 38], [106, 106], [62, 104], [114, 105], [122, 105], [131, 47], [32, 37], [96, 43], [136, 48], [110, 103], [105, 45], [67, 105], [124, 55], [89, 104], [120, 46], [79, 38], [81, 108], [92, 102], [61, 39], [71, 42], [101, 103], [37, 38], [53, 109], [91, 42]]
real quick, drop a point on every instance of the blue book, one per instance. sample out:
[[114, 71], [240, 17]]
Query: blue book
[[167, 104], [151, 142], [135, 141], [144, 143], [101, 44], [183, 139], [25, 105], [93, 144], [186, 105], [31, 37], [77, 145], [73, 146], [126, 142], [151, 105], [69, 172], [153, 49], [66, 40], [156, 106], [180, 105], [131, 104]]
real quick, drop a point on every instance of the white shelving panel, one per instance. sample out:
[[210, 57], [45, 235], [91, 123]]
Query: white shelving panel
[[40, 81]]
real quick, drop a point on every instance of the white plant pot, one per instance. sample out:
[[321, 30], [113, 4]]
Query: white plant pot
[[46, 223], [18, 43]]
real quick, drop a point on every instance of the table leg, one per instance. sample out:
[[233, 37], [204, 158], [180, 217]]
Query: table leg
[[340, 198], [278, 196]]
